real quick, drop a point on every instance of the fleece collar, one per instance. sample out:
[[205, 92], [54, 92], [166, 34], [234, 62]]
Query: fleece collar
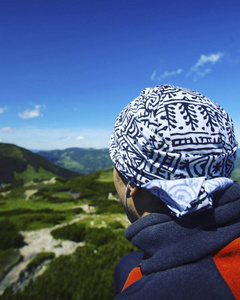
[[168, 242]]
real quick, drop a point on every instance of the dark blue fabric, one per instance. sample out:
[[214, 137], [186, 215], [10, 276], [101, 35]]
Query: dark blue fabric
[[178, 261], [200, 280], [124, 267]]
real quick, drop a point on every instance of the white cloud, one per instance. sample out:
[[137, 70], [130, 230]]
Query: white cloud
[[165, 74], [68, 137], [2, 109], [212, 58], [153, 75], [173, 73], [204, 64], [8, 129], [204, 72], [202, 67], [79, 138], [30, 114]]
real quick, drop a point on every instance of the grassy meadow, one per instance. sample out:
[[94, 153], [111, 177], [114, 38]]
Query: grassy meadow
[[87, 216]]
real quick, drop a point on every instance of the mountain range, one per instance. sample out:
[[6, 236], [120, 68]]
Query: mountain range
[[17, 163], [82, 160]]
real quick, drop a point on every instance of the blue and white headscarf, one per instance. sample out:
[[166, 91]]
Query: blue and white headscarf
[[176, 143]]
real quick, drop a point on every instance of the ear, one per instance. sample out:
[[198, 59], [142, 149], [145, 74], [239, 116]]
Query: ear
[[133, 189]]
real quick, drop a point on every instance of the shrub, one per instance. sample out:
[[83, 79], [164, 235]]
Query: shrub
[[74, 232], [99, 236], [39, 259], [9, 236], [78, 232], [39, 219], [116, 225], [107, 206], [54, 199], [52, 218], [8, 258], [18, 211], [87, 274], [78, 211]]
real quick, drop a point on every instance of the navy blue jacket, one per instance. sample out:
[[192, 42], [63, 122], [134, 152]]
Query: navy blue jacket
[[178, 254]]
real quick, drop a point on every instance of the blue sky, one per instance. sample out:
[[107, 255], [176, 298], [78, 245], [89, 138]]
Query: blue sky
[[67, 68]]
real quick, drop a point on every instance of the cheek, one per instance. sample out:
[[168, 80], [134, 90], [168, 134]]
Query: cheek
[[115, 179], [119, 185]]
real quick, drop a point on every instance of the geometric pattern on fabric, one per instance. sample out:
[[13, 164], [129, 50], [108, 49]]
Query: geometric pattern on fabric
[[170, 133]]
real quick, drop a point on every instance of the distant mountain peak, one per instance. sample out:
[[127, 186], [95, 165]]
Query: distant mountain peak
[[83, 160], [17, 163]]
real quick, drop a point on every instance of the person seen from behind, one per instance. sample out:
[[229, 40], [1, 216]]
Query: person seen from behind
[[173, 151]]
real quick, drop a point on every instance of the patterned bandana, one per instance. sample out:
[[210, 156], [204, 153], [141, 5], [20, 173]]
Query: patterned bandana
[[176, 143]]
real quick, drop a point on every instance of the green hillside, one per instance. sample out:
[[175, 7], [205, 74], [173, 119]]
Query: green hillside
[[76, 210], [83, 160], [17, 163]]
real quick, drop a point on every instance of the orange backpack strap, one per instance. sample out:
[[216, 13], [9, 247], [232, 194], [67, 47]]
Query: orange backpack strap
[[133, 276], [227, 261]]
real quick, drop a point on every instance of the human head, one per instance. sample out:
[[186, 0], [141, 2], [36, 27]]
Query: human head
[[133, 198], [171, 138]]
